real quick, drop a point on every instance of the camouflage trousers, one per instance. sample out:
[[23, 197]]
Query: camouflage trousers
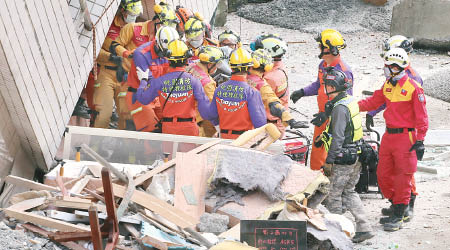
[[342, 195]]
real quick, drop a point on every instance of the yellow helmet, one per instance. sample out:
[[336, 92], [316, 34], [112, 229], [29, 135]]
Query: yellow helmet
[[210, 54], [165, 14], [262, 59], [134, 7], [194, 26], [178, 50], [332, 40], [240, 59]]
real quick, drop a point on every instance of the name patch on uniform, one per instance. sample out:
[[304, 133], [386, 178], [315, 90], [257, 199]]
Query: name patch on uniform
[[421, 97], [389, 90], [404, 92], [330, 77]]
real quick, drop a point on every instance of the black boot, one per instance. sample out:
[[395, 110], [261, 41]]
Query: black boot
[[409, 213], [362, 236], [396, 220], [387, 211]]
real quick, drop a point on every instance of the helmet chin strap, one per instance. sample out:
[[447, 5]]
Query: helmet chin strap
[[158, 51], [322, 53]]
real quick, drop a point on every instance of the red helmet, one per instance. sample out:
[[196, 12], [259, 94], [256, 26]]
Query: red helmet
[[183, 15]]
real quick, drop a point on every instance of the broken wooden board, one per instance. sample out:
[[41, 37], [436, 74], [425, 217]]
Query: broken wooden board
[[67, 217], [174, 215], [18, 181], [35, 229], [28, 204], [79, 185], [190, 183], [103, 216], [140, 179], [44, 221], [75, 203]]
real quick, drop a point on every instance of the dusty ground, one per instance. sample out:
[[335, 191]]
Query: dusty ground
[[429, 229]]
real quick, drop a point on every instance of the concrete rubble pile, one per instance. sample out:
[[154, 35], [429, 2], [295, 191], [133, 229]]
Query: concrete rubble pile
[[89, 205]]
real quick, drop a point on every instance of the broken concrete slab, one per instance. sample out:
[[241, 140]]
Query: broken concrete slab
[[424, 20], [213, 223]]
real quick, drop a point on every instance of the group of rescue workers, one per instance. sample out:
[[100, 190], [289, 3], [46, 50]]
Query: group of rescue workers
[[168, 75]]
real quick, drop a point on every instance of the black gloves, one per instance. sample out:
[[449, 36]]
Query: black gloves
[[369, 121], [274, 110], [420, 149], [296, 95], [319, 119], [297, 124]]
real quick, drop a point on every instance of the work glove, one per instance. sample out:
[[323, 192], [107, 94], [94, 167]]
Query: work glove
[[329, 107], [369, 121], [297, 124], [142, 75], [128, 54], [420, 149], [318, 141], [327, 169], [319, 119], [275, 109], [296, 95]]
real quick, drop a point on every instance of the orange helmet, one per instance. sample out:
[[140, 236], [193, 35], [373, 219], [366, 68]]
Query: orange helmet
[[183, 15]]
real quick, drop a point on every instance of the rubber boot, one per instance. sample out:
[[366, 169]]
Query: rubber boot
[[409, 213], [396, 221], [362, 236], [388, 211]]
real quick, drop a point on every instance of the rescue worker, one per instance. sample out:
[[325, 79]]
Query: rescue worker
[[183, 14], [406, 126], [341, 137], [236, 104], [131, 37], [330, 43], [148, 63], [229, 39], [108, 87], [178, 92], [263, 62], [209, 57], [398, 41], [195, 31], [277, 77]]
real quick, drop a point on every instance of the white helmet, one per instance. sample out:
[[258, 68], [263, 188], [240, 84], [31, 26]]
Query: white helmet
[[396, 56], [272, 43], [397, 41], [165, 35]]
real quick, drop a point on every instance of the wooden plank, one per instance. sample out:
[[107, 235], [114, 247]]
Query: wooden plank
[[35, 229], [140, 179], [190, 171], [75, 203], [44, 221], [103, 216], [28, 204], [67, 217], [174, 215], [80, 185], [18, 181]]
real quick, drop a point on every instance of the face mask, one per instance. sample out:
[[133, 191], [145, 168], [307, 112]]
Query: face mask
[[196, 43], [130, 19], [390, 72]]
